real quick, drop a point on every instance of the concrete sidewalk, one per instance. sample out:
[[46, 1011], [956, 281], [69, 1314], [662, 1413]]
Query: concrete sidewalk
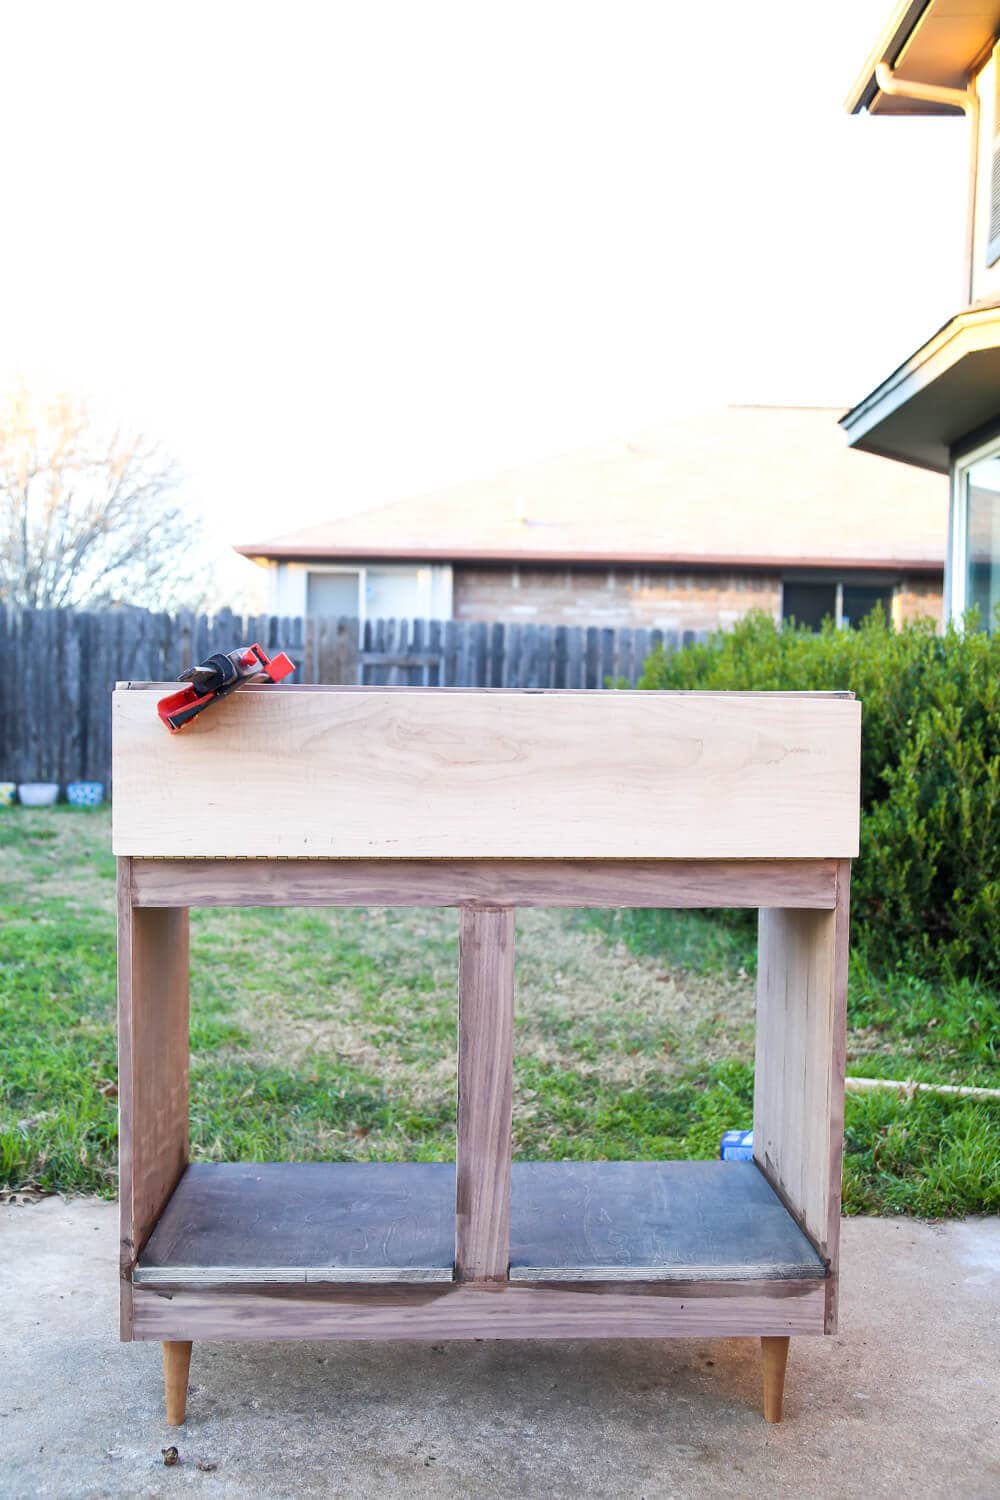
[[904, 1401]]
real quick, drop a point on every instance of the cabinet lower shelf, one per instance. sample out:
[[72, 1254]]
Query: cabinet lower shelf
[[296, 1224]]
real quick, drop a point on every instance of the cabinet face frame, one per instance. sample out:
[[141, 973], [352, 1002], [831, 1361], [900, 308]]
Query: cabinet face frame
[[798, 1109]]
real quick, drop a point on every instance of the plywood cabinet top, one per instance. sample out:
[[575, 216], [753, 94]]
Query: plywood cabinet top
[[312, 772]]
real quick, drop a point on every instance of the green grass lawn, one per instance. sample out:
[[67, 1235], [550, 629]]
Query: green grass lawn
[[331, 1035]]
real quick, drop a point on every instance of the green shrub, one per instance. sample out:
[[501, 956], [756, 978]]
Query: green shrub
[[926, 889]]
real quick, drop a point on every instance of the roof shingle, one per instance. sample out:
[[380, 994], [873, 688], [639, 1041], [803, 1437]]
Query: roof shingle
[[738, 484]]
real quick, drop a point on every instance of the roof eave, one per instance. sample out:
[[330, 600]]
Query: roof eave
[[890, 43], [927, 42], [948, 388], [694, 561]]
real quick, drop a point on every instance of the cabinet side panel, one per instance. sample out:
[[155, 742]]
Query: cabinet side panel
[[126, 1255], [152, 1069], [841, 957], [799, 1091]]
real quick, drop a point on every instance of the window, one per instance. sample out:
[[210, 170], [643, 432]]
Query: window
[[393, 593], [809, 604], [333, 594], [993, 238], [982, 540], [365, 593], [859, 601], [846, 604]]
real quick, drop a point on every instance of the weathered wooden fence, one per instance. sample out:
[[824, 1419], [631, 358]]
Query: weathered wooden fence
[[57, 667]]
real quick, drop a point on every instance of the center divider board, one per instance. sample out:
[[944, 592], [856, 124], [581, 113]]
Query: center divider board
[[276, 771]]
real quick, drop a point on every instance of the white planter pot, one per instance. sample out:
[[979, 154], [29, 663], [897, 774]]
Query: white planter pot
[[38, 793]]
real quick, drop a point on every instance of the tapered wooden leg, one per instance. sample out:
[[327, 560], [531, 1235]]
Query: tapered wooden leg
[[775, 1352], [176, 1364]]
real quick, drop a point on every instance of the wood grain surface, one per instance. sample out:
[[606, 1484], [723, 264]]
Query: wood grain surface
[[485, 1086], [317, 1222], [670, 1220], [800, 1064], [306, 1221], [515, 775], [774, 1359], [463, 1310], [491, 882], [152, 1070]]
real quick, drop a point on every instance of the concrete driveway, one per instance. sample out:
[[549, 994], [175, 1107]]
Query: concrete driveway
[[904, 1401]]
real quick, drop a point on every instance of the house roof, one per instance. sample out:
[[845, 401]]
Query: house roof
[[927, 41], [945, 391], [754, 486]]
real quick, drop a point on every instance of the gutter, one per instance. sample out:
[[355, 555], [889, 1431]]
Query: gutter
[[967, 100]]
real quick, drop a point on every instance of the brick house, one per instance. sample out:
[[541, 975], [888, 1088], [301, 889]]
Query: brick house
[[685, 528]]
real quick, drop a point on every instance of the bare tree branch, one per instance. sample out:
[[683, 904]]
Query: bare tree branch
[[87, 517]]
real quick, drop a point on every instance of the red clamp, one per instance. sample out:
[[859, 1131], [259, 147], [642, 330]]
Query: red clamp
[[217, 678]]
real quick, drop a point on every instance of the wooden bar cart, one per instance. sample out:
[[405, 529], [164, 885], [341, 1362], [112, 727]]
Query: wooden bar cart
[[487, 801]]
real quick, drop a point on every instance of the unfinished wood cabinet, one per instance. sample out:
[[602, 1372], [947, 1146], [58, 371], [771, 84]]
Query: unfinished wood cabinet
[[487, 801]]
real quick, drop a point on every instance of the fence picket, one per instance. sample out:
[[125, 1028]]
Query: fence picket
[[435, 648], [496, 654], [640, 650], [450, 653], [625, 667]]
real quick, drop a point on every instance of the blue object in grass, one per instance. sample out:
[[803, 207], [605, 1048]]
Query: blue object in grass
[[85, 793], [736, 1145]]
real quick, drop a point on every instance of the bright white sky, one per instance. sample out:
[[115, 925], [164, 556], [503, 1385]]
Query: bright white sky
[[335, 254]]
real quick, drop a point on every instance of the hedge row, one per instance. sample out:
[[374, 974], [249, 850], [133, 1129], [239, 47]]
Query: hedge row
[[926, 889]]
